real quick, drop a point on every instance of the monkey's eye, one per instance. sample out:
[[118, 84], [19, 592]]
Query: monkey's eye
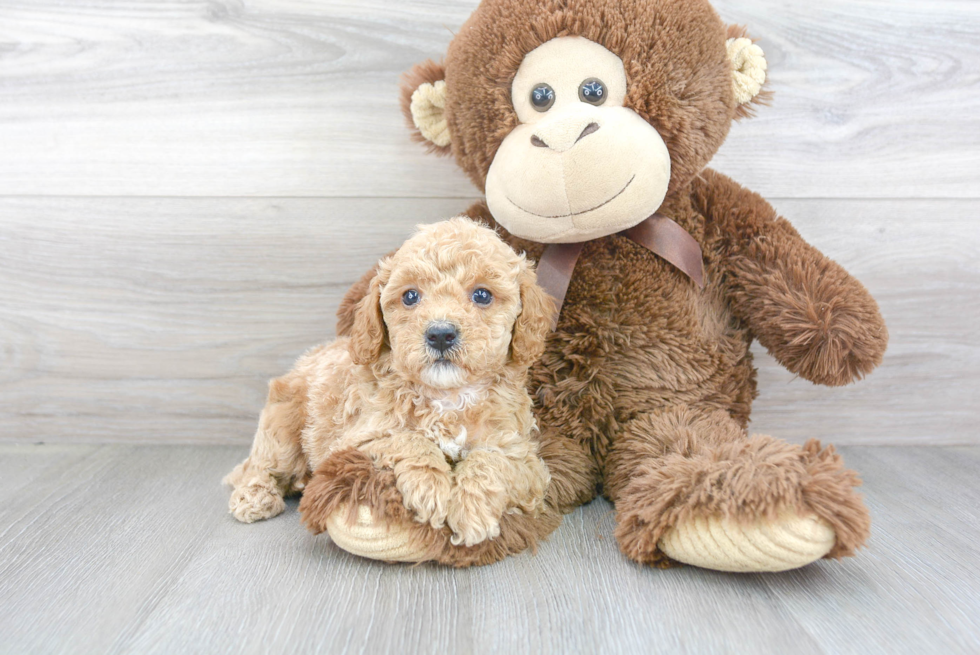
[[542, 97], [411, 297], [592, 91], [482, 296]]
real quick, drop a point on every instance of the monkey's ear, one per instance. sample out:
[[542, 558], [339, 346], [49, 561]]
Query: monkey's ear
[[748, 71], [423, 99]]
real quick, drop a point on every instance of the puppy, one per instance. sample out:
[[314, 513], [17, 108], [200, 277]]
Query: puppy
[[430, 385]]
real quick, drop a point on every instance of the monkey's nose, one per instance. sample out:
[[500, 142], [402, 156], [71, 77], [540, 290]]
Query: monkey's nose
[[560, 140], [441, 336], [589, 129]]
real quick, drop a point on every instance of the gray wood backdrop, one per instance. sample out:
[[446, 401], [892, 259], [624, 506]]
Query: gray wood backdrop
[[188, 186]]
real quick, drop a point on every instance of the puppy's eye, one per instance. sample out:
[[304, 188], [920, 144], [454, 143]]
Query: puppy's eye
[[542, 97], [592, 91], [411, 297], [482, 297]]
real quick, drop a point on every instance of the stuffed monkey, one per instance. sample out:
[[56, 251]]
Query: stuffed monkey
[[588, 124]]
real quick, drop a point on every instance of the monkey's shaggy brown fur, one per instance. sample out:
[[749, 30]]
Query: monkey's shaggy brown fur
[[646, 386]]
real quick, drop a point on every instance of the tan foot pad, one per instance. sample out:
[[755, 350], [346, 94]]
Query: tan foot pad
[[789, 542], [372, 539]]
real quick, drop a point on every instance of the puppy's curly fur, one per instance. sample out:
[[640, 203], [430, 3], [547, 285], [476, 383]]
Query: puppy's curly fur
[[455, 427]]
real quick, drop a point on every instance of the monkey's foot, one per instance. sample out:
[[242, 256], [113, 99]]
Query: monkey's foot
[[789, 541], [374, 538], [381, 527]]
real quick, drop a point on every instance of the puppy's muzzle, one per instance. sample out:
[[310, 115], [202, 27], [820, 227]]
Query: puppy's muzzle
[[441, 336]]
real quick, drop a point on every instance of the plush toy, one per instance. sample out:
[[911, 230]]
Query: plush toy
[[588, 124]]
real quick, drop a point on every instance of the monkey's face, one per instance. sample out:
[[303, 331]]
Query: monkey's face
[[580, 165], [579, 118]]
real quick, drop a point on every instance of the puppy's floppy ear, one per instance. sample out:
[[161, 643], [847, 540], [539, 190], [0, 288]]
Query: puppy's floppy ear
[[368, 335], [535, 320], [423, 100]]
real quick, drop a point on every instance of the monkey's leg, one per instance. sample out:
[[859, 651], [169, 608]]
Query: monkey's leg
[[276, 466], [360, 507], [690, 486]]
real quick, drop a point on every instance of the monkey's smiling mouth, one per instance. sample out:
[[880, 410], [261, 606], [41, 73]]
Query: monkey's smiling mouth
[[584, 211]]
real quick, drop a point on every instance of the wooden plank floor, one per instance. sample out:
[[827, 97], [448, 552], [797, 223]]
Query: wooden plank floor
[[129, 549]]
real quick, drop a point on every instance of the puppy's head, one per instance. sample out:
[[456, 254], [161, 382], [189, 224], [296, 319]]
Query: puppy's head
[[454, 306]]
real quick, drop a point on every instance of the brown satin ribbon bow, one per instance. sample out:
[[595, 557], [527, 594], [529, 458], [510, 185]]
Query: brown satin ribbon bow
[[658, 234]]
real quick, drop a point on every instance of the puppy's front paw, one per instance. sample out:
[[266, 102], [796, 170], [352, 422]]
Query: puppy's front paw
[[426, 491], [473, 517], [528, 498], [531, 506], [255, 502]]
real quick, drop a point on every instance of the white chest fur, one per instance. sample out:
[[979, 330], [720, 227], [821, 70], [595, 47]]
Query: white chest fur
[[455, 448], [453, 441]]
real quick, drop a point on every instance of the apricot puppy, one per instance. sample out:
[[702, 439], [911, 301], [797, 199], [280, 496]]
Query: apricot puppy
[[431, 385]]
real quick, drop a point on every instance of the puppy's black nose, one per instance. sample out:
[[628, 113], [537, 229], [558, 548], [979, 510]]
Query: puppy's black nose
[[441, 336]]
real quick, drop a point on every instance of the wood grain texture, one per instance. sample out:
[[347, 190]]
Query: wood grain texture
[[298, 98], [160, 320], [122, 549], [156, 319]]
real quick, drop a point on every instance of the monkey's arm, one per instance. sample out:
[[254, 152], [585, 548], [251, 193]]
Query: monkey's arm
[[805, 309]]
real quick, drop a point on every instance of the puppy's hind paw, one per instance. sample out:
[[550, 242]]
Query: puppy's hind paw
[[253, 503]]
